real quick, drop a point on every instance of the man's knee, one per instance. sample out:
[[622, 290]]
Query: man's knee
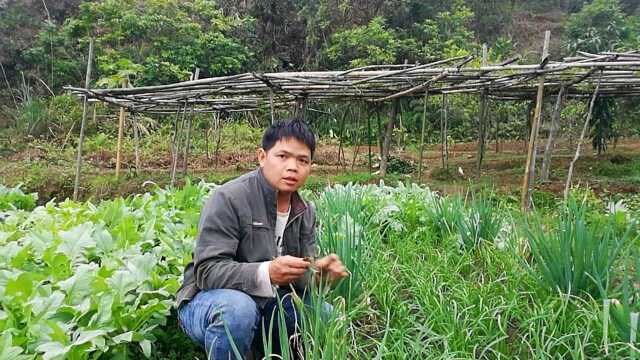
[[235, 309]]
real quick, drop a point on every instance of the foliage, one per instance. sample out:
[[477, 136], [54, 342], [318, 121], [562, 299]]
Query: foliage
[[344, 228], [602, 123], [369, 44], [83, 280], [602, 26], [16, 199], [159, 41], [397, 165], [447, 35], [575, 256], [80, 278], [623, 311], [482, 222], [46, 117]]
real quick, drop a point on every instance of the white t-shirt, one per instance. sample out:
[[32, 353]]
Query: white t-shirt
[[266, 289], [281, 223]]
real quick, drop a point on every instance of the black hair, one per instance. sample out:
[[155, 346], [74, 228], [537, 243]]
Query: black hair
[[289, 128]]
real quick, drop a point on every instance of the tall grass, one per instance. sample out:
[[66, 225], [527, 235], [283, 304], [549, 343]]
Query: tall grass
[[572, 255], [624, 312], [346, 229], [481, 222]]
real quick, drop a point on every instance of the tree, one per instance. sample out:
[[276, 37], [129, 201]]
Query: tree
[[601, 26], [447, 35], [597, 27], [168, 39], [373, 43]]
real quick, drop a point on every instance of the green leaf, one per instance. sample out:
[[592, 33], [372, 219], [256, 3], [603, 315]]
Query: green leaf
[[78, 287], [21, 287], [53, 350], [8, 351], [76, 240], [42, 306], [126, 337], [90, 336], [146, 347]]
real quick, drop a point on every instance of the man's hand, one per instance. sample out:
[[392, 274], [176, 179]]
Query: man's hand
[[284, 270], [331, 268]]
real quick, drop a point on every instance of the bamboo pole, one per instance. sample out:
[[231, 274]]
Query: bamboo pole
[[174, 144], [273, 115], [340, 135], [206, 141], [551, 139], [535, 126], [585, 127], [482, 118], [187, 143], [355, 136], [87, 81], [136, 144], [219, 123], [497, 136], [444, 132], [187, 147], [424, 121], [6, 81], [120, 136], [386, 145], [369, 138], [121, 117]]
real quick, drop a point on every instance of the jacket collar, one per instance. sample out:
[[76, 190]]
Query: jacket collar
[[298, 205]]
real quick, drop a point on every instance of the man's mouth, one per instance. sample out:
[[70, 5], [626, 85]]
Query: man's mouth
[[290, 180]]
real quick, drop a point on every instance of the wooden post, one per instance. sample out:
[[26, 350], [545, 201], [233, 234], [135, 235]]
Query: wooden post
[[355, 137], [185, 159], [9, 89], [219, 122], [585, 127], [136, 144], [187, 145], [273, 114], [424, 121], [174, 144], [386, 145], [497, 137], [535, 126], [340, 134], [120, 136], [87, 81], [551, 139], [444, 129], [119, 146], [299, 111], [482, 118], [369, 138], [206, 141], [379, 137]]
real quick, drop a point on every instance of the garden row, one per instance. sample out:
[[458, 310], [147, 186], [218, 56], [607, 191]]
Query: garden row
[[431, 276]]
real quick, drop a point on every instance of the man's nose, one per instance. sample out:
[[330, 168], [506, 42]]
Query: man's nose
[[292, 165]]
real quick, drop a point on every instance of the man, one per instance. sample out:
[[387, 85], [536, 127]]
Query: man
[[254, 235]]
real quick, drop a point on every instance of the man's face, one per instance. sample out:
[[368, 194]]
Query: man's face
[[286, 165]]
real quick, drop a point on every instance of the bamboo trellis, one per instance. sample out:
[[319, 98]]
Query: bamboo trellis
[[614, 74], [379, 83]]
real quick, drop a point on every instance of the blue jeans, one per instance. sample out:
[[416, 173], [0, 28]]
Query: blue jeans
[[203, 319]]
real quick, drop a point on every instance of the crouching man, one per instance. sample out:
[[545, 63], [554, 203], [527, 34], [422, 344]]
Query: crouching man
[[254, 239]]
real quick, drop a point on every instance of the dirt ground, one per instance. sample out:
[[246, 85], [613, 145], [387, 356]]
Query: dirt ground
[[501, 170]]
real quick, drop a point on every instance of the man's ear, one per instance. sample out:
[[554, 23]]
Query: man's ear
[[262, 156]]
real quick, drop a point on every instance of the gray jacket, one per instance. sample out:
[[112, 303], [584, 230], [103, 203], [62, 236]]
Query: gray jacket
[[237, 232]]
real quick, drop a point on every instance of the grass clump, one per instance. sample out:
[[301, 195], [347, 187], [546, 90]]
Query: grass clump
[[571, 255]]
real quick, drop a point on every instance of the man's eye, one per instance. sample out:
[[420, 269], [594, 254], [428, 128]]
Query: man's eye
[[280, 156]]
